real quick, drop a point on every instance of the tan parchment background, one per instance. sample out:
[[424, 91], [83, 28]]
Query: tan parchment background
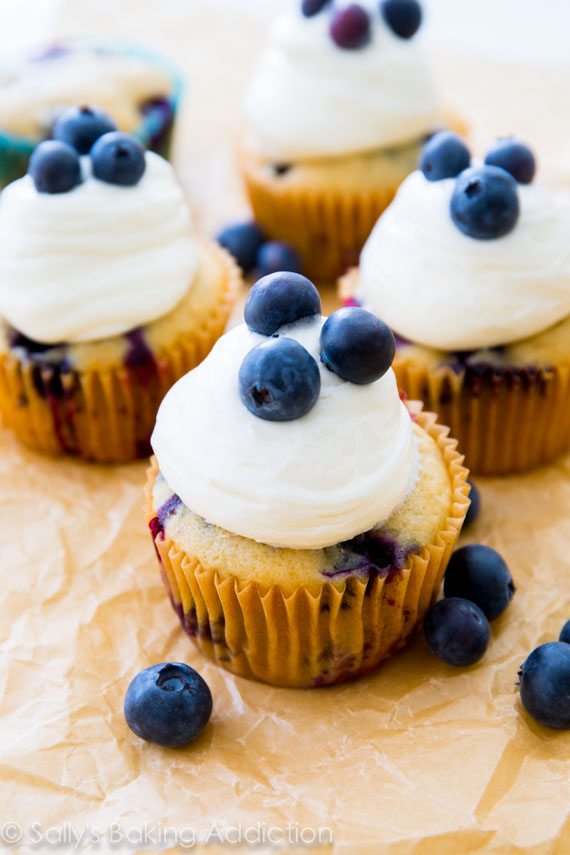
[[418, 758]]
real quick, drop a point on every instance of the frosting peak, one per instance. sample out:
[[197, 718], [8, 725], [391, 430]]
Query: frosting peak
[[96, 261], [336, 472], [309, 98]]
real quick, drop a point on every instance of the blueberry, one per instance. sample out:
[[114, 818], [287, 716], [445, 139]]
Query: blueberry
[[565, 633], [279, 380], [80, 127], [545, 685], [280, 299], [404, 17], [474, 507], [54, 167], [277, 255], [243, 241], [169, 704], [313, 7], [445, 155], [479, 574], [514, 156], [350, 27], [485, 203], [356, 345], [118, 158], [457, 631]]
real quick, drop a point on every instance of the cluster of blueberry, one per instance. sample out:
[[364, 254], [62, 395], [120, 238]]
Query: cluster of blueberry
[[350, 26], [252, 251], [116, 158], [279, 380], [485, 202]]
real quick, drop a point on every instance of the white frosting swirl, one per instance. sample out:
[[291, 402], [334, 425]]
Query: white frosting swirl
[[97, 261], [310, 98], [438, 287], [337, 472]]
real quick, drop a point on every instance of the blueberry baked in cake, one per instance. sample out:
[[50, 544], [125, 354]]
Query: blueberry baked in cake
[[336, 113], [470, 266], [302, 514], [107, 296]]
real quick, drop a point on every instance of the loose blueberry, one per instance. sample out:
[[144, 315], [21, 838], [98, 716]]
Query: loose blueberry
[[485, 203], [457, 631], [279, 380], [169, 704], [280, 299], [356, 345], [445, 155], [313, 7], [54, 167], [118, 158], [404, 17], [243, 241], [474, 507], [479, 574], [565, 633], [80, 127], [514, 156], [545, 685], [350, 27], [276, 255]]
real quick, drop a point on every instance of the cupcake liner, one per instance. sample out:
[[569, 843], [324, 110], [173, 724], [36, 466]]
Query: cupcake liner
[[105, 415], [309, 637]]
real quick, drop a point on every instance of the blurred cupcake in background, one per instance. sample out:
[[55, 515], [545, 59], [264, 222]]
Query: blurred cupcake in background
[[139, 89], [107, 297], [470, 266], [337, 111]]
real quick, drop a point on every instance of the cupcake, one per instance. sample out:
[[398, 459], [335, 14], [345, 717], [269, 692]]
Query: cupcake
[[140, 90], [107, 297], [470, 266], [339, 106], [302, 514]]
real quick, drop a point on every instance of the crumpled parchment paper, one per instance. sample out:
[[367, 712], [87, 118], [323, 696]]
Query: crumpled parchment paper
[[419, 757]]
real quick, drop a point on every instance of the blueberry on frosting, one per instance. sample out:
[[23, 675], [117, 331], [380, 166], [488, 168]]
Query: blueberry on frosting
[[81, 127], [350, 27], [357, 346], [279, 380], [118, 158], [514, 156], [485, 203], [445, 155], [54, 167], [278, 300], [309, 8], [404, 17]]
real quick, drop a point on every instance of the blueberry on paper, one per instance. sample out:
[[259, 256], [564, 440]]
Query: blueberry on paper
[[279, 380], [479, 574], [280, 299], [54, 167], [169, 704], [243, 241], [404, 17], [276, 255], [513, 156], [545, 685], [565, 633], [356, 345], [457, 631], [475, 506], [81, 127], [485, 203], [444, 155], [350, 27], [118, 158]]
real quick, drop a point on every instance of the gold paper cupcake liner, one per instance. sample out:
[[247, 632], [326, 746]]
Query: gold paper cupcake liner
[[106, 416], [305, 638]]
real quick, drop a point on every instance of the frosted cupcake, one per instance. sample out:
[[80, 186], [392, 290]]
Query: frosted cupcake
[[140, 90], [302, 514], [338, 108], [106, 297], [470, 266]]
